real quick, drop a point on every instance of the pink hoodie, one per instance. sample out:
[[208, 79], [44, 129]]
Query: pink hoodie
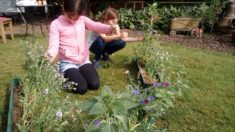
[[68, 38]]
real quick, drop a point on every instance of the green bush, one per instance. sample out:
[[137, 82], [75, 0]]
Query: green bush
[[208, 12]]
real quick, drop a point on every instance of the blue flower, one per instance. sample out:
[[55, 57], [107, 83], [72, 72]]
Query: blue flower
[[142, 101], [136, 92], [151, 98], [97, 123], [156, 84]]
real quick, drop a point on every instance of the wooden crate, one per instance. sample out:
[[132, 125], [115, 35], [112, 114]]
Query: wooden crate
[[184, 24]]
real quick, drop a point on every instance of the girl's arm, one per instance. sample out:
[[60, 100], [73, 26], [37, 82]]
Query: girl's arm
[[53, 46], [131, 39], [124, 37], [97, 26], [110, 38]]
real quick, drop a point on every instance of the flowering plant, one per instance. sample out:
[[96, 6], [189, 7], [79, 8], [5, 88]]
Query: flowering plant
[[134, 109], [43, 107]]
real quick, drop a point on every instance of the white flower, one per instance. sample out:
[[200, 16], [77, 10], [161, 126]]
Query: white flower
[[65, 123], [59, 114], [45, 91], [127, 71]]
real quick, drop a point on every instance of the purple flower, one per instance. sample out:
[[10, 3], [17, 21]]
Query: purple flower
[[144, 101], [136, 92], [151, 98], [165, 84], [97, 123], [156, 84]]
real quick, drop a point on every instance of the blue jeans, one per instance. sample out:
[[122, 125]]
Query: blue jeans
[[99, 47]]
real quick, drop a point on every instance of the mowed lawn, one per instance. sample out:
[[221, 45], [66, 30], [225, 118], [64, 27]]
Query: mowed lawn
[[208, 105]]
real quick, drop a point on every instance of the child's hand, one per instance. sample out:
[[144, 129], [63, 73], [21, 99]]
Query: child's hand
[[48, 57], [115, 29], [141, 38]]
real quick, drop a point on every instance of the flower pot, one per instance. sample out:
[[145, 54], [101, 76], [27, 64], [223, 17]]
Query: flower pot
[[183, 24]]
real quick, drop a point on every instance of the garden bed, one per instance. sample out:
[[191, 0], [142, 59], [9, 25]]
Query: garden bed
[[14, 112], [145, 79], [221, 43]]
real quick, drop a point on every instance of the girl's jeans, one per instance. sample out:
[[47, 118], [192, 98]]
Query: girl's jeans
[[99, 47]]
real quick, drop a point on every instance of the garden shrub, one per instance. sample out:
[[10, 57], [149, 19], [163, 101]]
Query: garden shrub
[[139, 19], [209, 13]]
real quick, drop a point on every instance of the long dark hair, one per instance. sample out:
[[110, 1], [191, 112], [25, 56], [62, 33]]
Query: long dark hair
[[74, 6]]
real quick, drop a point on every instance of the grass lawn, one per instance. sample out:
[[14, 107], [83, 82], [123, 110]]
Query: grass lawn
[[208, 105]]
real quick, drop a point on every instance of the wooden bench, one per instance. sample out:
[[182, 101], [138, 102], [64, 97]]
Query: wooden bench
[[6, 22]]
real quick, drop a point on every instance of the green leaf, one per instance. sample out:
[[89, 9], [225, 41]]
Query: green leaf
[[97, 108], [118, 107], [123, 119], [110, 128], [128, 104], [92, 128], [170, 93], [87, 104], [106, 91], [98, 98]]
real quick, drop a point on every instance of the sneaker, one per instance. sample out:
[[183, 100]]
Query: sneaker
[[105, 57], [96, 64]]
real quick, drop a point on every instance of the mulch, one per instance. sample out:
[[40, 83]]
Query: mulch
[[221, 43], [216, 42]]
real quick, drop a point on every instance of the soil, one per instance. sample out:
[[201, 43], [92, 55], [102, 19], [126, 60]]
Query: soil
[[217, 42], [17, 112], [221, 43]]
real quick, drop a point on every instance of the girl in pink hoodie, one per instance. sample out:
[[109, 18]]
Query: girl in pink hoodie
[[67, 38]]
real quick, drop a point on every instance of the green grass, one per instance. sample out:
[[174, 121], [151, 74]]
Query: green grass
[[208, 105], [12, 61]]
